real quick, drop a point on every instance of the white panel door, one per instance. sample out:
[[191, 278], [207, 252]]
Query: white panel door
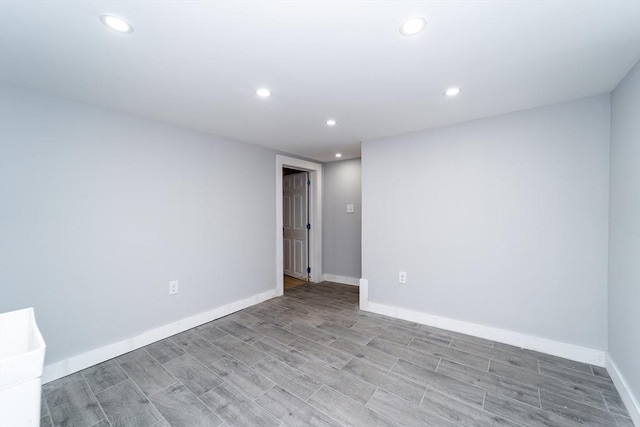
[[294, 221]]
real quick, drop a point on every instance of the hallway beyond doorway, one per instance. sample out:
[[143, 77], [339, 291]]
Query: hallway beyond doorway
[[292, 282]]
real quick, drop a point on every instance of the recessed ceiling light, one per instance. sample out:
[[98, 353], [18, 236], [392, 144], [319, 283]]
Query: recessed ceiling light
[[263, 92], [331, 122], [452, 91], [338, 155], [413, 26], [116, 23]]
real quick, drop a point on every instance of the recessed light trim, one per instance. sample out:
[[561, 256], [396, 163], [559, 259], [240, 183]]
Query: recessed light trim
[[116, 23], [413, 26], [331, 122], [452, 91], [263, 92], [338, 155]]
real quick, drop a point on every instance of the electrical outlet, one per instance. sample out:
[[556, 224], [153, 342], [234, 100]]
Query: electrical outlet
[[402, 277], [173, 287]]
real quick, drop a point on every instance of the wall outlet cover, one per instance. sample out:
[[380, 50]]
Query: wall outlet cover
[[173, 287], [402, 277]]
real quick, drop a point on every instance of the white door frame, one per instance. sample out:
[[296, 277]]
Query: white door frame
[[315, 214]]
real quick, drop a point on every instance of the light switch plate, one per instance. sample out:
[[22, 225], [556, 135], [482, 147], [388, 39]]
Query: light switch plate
[[349, 208]]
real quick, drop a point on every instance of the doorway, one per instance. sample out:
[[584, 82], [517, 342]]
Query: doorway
[[314, 231], [295, 225]]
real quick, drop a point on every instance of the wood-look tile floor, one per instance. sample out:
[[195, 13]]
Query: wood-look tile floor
[[311, 358]]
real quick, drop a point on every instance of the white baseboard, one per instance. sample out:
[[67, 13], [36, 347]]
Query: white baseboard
[[82, 361], [364, 294], [341, 279], [556, 348], [630, 401]]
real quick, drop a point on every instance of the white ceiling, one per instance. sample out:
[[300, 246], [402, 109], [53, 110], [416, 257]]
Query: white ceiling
[[197, 64]]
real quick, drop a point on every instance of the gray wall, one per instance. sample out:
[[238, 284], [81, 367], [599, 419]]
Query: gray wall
[[341, 232], [501, 222], [624, 230], [100, 210]]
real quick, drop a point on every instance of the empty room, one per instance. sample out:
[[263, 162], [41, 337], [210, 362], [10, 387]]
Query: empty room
[[319, 213]]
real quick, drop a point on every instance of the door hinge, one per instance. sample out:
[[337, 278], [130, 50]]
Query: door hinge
[[309, 182], [308, 270], [308, 226]]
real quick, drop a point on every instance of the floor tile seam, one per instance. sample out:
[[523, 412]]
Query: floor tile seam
[[401, 377], [184, 353], [455, 349], [573, 383], [249, 398], [46, 404], [226, 353], [207, 367], [369, 348], [484, 397], [539, 398], [364, 405], [410, 349], [496, 388], [606, 404], [345, 337], [599, 418], [312, 327], [552, 363], [148, 398], [161, 366], [506, 417], [430, 386], [223, 419], [279, 342], [558, 365], [426, 407], [490, 413], [383, 415], [295, 369], [292, 349], [410, 341], [113, 385], [209, 341], [578, 374], [95, 397], [537, 359], [494, 357], [548, 388], [405, 330], [607, 410], [48, 416], [58, 387], [310, 356], [522, 382], [445, 359], [438, 365], [464, 342], [320, 410]]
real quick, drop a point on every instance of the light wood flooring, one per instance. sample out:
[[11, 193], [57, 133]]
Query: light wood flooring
[[311, 358], [292, 282]]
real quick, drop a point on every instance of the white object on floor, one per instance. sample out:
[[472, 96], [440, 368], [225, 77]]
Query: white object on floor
[[22, 351]]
